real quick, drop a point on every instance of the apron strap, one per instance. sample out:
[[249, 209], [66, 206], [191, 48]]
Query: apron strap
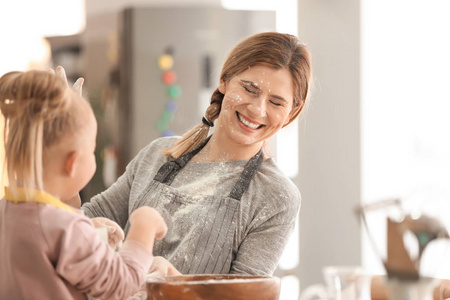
[[246, 176], [166, 174]]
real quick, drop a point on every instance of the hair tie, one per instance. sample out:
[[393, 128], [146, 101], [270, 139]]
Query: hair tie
[[207, 122]]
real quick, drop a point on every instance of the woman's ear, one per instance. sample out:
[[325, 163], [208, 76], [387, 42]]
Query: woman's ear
[[222, 86], [287, 120], [293, 111], [71, 163]]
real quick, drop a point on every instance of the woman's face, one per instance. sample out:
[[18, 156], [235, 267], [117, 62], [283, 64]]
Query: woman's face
[[257, 103]]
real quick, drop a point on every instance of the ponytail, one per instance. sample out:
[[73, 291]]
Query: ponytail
[[36, 106], [197, 135]]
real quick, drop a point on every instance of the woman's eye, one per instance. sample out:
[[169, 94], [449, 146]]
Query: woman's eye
[[249, 90], [275, 103]]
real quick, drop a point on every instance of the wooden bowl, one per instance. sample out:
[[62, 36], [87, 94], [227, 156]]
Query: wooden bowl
[[213, 287]]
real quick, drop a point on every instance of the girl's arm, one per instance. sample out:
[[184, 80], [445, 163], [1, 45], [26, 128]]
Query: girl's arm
[[94, 268]]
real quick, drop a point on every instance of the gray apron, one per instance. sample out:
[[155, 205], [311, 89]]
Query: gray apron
[[201, 229]]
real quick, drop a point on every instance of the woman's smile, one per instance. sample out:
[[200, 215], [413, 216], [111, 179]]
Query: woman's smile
[[247, 123]]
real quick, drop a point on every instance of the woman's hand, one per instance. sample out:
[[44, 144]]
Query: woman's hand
[[161, 267], [115, 232]]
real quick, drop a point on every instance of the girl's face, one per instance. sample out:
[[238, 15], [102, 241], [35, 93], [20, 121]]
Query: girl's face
[[257, 103], [70, 163], [85, 165]]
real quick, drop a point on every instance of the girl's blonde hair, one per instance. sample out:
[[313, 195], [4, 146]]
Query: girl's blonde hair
[[273, 49], [39, 109]]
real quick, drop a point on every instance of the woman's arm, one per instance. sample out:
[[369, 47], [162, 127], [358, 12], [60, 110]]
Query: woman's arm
[[267, 224], [261, 250], [115, 202], [112, 203]]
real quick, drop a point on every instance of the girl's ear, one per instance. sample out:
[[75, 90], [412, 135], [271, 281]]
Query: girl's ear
[[71, 163], [222, 86]]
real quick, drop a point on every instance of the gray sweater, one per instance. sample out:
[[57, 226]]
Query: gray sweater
[[251, 243]]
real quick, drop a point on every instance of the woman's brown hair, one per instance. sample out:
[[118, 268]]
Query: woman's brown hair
[[273, 49]]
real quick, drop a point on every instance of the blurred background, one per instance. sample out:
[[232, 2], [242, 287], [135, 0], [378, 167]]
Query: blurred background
[[376, 128]]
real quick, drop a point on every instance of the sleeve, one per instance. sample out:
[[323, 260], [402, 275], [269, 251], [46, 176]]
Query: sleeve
[[268, 232], [114, 203], [94, 268]]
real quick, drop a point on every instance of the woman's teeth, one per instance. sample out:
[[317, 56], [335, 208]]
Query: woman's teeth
[[247, 123]]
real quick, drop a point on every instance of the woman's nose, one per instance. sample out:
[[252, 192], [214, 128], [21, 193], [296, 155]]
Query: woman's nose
[[257, 107]]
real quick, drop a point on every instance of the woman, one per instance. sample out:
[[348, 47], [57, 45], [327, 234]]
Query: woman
[[228, 207]]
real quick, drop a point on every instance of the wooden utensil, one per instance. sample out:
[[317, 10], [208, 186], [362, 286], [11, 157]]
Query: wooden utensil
[[213, 287]]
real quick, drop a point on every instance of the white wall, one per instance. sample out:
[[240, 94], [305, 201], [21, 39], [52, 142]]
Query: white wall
[[329, 177], [405, 145]]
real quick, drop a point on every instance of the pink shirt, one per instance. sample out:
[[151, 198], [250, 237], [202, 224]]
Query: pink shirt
[[48, 252]]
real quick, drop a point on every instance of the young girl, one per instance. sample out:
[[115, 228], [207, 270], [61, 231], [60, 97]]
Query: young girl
[[48, 249]]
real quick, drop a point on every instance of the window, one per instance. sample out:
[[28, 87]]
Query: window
[[405, 107]]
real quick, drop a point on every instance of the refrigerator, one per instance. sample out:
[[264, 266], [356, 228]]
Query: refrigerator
[[150, 72]]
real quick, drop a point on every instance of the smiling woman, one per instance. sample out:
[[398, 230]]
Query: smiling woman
[[283, 54], [228, 207]]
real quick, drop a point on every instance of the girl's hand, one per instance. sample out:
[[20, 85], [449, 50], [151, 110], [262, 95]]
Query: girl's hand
[[141, 295], [115, 232], [77, 86], [146, 225], [148, 216]]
